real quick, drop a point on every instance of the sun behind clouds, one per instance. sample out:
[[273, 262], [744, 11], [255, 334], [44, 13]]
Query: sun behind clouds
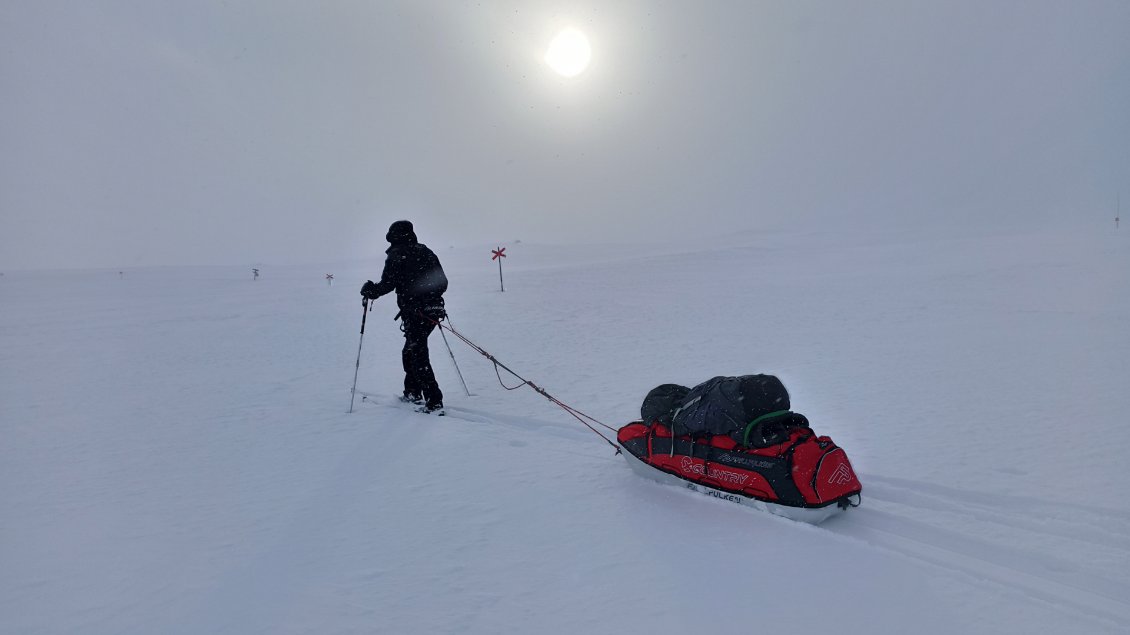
[[569, 53]]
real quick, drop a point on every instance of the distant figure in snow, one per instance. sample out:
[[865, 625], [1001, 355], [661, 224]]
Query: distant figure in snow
[[414, 272], [254, 274], [330, 279]]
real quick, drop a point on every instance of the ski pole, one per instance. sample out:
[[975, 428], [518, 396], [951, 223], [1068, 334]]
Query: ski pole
[[452, 354], [357, 367]]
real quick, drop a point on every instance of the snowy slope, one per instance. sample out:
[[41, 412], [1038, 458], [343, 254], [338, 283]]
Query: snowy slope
[[177, 456]]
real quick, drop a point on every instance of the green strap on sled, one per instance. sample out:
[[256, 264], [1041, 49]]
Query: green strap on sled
[[753, 424]]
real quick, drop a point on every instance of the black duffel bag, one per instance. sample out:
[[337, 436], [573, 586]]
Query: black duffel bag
[[723, 405]]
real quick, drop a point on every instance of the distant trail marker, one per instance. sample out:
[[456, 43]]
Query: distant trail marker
[[330, 279], [254, 274], [499, 254]]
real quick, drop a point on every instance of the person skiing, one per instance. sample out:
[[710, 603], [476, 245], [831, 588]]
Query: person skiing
[[414, 272]]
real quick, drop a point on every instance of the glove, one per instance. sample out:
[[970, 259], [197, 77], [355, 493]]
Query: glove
[[369, 290]]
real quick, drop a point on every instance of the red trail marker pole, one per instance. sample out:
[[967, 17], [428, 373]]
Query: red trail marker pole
[[499, 255]]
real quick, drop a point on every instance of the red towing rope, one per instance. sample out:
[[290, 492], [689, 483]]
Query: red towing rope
[[577, 414]]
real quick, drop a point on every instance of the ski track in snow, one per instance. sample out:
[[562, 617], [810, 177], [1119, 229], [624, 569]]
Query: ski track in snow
[[889, 520]]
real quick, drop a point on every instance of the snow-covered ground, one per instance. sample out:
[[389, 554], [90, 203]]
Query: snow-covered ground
[[176, 455]]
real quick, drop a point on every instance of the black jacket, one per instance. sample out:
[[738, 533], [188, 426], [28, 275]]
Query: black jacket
[[414, 272]]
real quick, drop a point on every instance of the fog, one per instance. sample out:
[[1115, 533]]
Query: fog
[[150, 133]]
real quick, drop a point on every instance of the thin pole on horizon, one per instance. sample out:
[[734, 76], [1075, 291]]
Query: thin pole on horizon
[[499, 254]]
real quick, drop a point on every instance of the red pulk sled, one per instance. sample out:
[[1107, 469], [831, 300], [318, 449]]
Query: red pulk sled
[[774, 463]]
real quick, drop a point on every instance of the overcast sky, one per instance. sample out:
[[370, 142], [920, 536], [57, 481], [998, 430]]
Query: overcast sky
[[199, 131]]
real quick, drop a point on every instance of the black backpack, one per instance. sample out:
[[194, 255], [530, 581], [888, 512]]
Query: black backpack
[[661, 402]]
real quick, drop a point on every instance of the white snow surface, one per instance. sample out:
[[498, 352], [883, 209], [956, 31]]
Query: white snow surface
[[176, 454]]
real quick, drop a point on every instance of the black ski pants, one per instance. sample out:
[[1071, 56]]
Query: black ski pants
[[419, 379]]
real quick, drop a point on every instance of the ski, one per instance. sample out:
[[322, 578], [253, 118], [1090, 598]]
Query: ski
[[377, 399], [420, 406]]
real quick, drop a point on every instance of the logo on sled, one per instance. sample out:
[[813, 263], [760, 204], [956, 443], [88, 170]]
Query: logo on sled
[[841, 476], [690, 467]]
